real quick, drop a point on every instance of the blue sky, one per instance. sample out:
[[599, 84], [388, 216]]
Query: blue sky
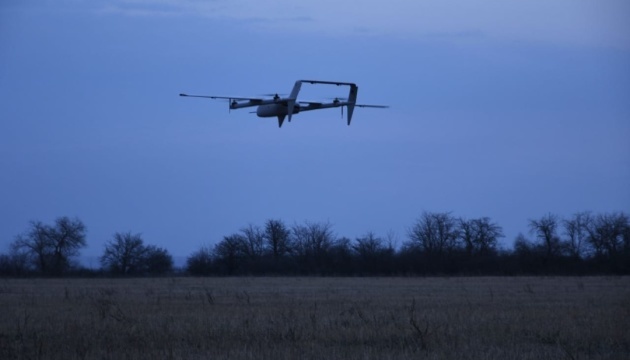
[[503, 109]]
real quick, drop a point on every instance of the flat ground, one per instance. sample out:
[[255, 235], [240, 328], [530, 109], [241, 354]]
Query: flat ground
[[316, 318]]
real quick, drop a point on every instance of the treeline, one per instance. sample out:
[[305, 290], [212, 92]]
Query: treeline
[[435, 244], [52, 250]]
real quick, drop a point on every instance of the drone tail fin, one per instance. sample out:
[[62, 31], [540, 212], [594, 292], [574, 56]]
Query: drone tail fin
[[296, 90], [293, 97], [280, 120], [352, 100]]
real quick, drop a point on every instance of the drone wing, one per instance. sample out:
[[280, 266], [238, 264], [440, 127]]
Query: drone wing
[[372, 106], [225, 97], [351, 106], [313, 104]]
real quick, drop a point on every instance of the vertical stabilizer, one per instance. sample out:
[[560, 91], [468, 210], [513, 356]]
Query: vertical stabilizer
[[296, 90], [293, 97], [280, 120], [352, 100]]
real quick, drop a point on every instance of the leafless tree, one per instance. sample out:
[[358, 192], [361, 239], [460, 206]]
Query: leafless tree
[[315, 237], [230, 251], [36, 245], [15, 263], [373, 254], [277, 238], [124, 254], [479, 236], [522, 246], [313, 243], [253, 241], [391, 239], [52, 248], [434, 233], [369, 246], [200, 262], [546, 230], [576, 231], [609, 234], [157, 260]]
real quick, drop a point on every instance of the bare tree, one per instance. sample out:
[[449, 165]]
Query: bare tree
[[124, 254], [609, 234], [36, 245], [523, 247], [530, 255], [313, 238], [200, 262], [480, 236], [373, 254], [392, 240], [339, 257], [277, 237], [15, 263], [576, 230], [434, 233], [157, 260], [369, 246], [546, 230], [313, 242], [230, 251], [52, 248], [254, 241]]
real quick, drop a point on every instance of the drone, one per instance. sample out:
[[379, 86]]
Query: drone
[[283, 107]]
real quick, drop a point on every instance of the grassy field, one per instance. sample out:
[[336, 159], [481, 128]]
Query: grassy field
[[322, 318]]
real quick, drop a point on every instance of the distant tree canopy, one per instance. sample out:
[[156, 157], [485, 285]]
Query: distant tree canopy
[[201, 262], [50, 249], [436, 243], [546, 231], [480, 236], [126, 254], [434, 234]]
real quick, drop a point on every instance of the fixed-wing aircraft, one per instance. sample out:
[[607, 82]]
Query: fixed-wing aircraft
[[281, 107]]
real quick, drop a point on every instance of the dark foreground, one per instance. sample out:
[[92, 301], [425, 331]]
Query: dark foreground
[[316, 318]]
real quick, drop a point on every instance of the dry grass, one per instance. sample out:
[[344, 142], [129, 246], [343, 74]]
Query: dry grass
[[323, 318]]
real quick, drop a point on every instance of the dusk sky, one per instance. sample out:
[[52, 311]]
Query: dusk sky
[[505, 109]]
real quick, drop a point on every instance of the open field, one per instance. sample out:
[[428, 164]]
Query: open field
[[325, 318]]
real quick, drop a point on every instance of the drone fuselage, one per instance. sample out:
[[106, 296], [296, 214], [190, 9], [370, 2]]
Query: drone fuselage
[[275, 110], [281, 109]]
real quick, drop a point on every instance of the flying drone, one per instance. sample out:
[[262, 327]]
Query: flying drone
[[281, 107]]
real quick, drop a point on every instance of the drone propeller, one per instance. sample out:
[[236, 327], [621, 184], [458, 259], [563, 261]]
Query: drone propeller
[[276, 96], [337, 100]]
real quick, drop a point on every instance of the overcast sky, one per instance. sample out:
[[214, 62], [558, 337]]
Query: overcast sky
[[505, 109]]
